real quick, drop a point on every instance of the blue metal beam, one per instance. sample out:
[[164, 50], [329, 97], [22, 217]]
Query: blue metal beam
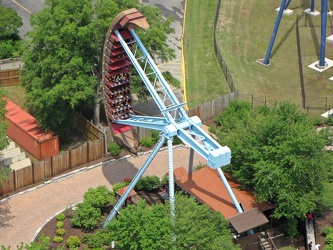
[[136, 178], [275, 30], [322, 62]]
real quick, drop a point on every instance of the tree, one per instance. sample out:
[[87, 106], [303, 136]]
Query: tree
[[10, 21], [63, 59], [279, 153], [195, 227], [4, 171]]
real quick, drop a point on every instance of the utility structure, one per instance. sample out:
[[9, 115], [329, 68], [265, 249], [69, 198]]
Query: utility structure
[[282, 9], [122, 49]]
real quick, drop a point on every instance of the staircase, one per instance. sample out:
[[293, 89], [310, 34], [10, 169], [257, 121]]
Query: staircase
[[266, 242], [13, 158]]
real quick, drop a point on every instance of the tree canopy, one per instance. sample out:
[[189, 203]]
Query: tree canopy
[[195, 227], [278, 152], [10, 21], [62, 61]]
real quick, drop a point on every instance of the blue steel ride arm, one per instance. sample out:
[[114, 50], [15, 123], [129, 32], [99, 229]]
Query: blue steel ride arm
[[216, 155]]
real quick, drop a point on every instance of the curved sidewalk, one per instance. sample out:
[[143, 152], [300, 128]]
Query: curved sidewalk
[[22, 215]]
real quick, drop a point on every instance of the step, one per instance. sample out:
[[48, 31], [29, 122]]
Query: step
[[9, 147], [10, 153], [19, 157], [21, 164]]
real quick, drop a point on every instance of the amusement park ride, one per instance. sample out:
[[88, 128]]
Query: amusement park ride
[[283, 10], [123, 49]]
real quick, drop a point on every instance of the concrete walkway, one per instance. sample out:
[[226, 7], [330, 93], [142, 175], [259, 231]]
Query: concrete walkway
[[22, 215]]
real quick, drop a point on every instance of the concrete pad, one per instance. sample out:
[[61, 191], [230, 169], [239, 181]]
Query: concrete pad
[[10, 153], [312, 13], [286, 12], [329, 39], [327, 113], [261, 61], [329, 64], [21, 164]]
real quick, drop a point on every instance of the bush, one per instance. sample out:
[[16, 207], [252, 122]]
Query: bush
[[58, 239], [329, 120], [199, 166], [114, 148], [118, 186], [98, 197], [73, 242], [329, 238], [155, 135], [61, 232], [291, 228], [328, 247], [99, 239], [147, 183], [60, 216], [165, 180], [326, 231], [60, 224], [86, 216], [147, 142]]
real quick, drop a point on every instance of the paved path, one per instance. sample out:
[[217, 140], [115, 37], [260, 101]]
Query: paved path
[[22, 215]]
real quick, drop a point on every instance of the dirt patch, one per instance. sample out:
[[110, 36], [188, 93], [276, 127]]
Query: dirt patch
[[322, 222]]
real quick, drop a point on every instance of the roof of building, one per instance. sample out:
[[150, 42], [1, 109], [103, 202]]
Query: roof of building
[[26, 122], [207, 187], [247, 220], [122, 191]]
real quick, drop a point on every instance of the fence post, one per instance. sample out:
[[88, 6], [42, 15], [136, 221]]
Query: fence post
[[70, 159], [14, 180]]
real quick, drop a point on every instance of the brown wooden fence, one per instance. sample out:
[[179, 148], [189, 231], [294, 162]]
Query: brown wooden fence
[[44, 170], [9, 77], [88, 128]]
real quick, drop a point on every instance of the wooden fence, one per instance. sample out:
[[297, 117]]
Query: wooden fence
[[9, 77], [88, 128], [44, 170]]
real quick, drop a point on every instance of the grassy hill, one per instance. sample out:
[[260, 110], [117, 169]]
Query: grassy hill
[[243, 32]]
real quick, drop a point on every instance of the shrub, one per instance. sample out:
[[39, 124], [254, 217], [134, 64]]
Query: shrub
[[118, 186], [98, 197], [61, 231], [155, 135], [329, 239], [177, 141], [99, 239], [291, 228], [199, 166], [114, 148], [329, 120], [73, 242], [328, 247], [58, 239], [326, 231], [60, 224], [147, 142], [61, 216], [165, 180], [86, 216], [147, 183]]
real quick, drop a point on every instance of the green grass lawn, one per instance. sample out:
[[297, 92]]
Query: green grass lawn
[[244, 31], [204, 79]]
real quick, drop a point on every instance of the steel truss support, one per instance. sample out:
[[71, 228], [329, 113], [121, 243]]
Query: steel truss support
[[136, 178], [322, 63]]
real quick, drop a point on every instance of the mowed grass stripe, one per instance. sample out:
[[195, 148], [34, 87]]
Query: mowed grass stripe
[[204, 78]]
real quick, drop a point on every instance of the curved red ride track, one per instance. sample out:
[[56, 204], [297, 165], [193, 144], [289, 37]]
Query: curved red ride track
[[116, 76]]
